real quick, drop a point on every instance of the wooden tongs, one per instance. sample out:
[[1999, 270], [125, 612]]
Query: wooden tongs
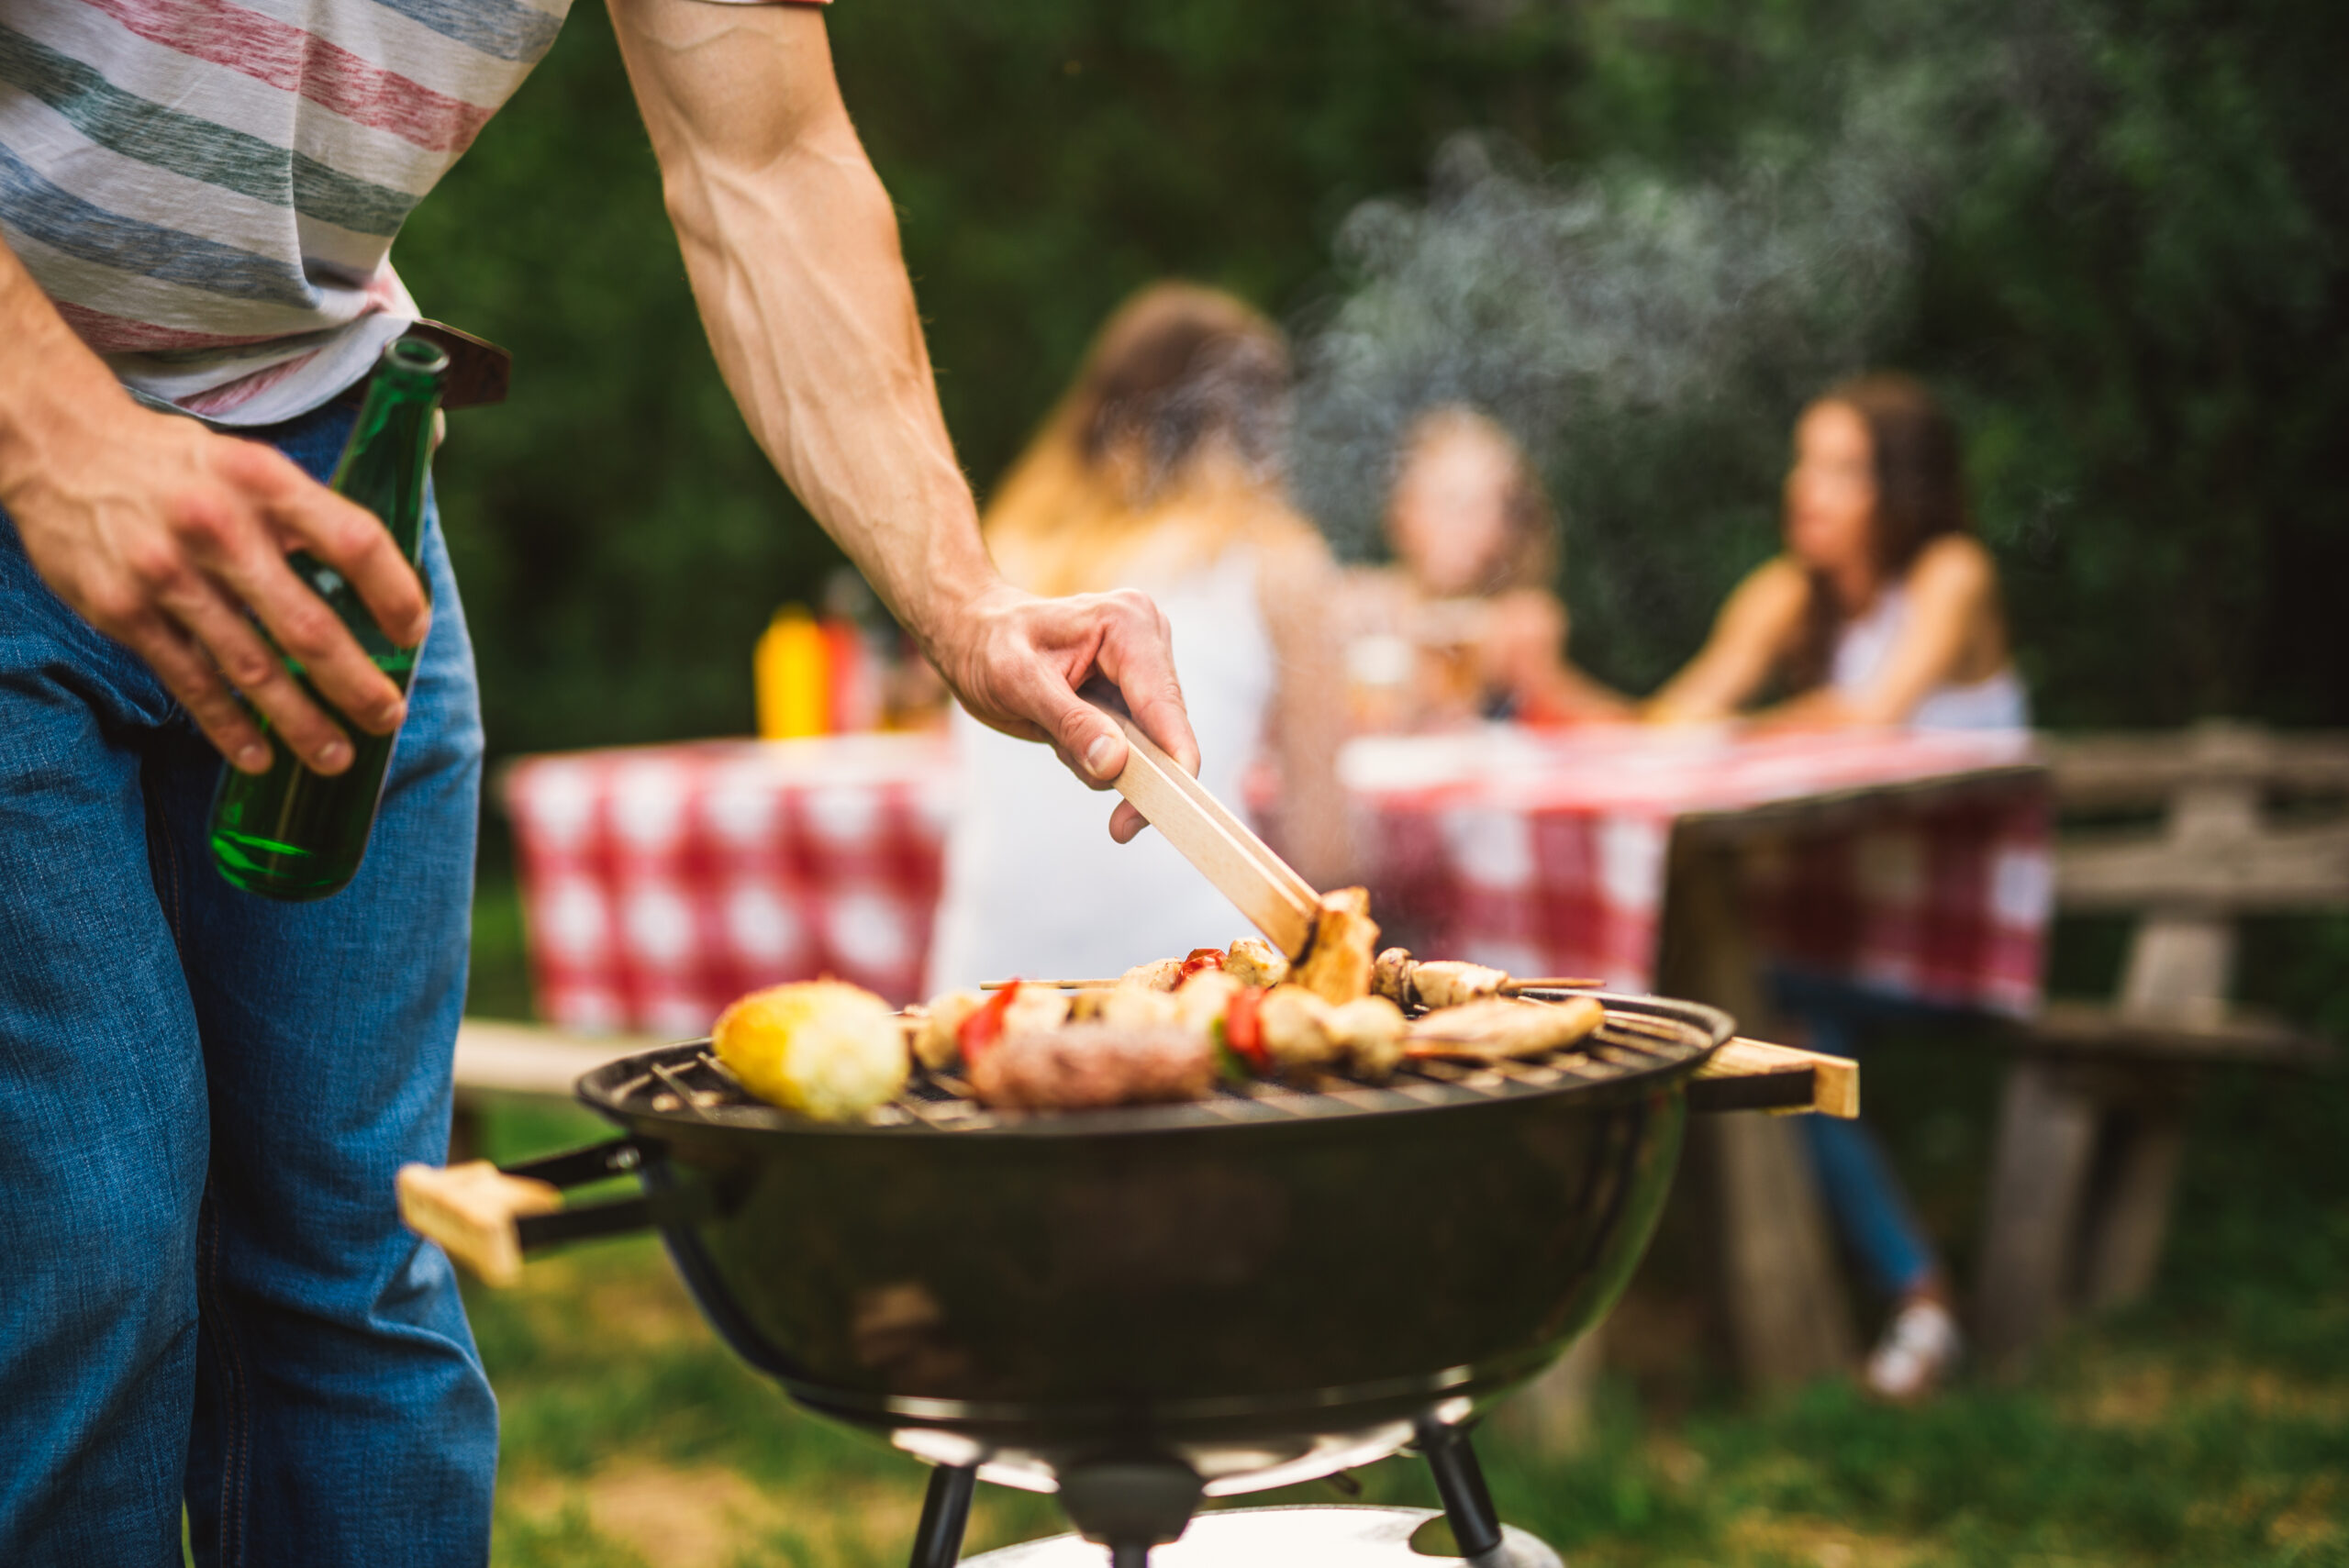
[[1209, 835]]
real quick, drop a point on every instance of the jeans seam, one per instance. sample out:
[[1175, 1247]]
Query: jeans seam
[[234, 1417]]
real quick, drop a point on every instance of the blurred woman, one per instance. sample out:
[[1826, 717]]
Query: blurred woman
[[1883, 610], [1464, 624], [1161, 469]]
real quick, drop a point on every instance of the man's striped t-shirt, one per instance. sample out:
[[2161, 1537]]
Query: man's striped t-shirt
[[208, 189]]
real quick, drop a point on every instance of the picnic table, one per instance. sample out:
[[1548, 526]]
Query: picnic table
[[1691, 862], [661, 883]]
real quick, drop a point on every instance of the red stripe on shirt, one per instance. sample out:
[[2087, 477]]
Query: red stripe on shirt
[[226, 399], [286, 57], [113, 335]]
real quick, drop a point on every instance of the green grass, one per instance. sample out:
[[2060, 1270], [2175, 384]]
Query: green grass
[[2209, 1425]]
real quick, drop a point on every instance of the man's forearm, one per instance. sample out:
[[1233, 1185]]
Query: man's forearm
[[46, 373], [790, 242]]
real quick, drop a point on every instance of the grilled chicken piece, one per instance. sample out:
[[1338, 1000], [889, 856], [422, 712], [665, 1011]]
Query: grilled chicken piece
[[1336, 967], [1135, 1005], [1368, 1032], [936, 1030], [1163, 975], [934, 1044], [1085, 1066], [1499, 1027], [1036, 1007], [1254, 961], [1438, 982], [1200, 1000], [1293, 1026], [1446, 983], [1084, 1002]]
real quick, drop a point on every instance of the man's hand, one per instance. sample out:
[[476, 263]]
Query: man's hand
[[166, 536], [1017, 661]]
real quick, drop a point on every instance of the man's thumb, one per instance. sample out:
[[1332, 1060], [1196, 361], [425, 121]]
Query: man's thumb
[[1091, 739]]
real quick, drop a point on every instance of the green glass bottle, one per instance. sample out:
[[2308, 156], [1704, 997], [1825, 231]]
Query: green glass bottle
[[290, 833]]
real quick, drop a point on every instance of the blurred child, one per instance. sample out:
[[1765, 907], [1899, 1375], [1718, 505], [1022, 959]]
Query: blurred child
[[1161, 469], [1465, 625]]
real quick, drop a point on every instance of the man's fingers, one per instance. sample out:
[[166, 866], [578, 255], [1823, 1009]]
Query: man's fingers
[[349, 538], [1126, 823], [190, 677], [1136, 655], [309, 631], [254, 669]]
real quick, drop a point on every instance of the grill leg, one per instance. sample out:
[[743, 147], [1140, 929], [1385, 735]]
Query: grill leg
[[1131, 1555], [1460, 1482], [945, 1511]]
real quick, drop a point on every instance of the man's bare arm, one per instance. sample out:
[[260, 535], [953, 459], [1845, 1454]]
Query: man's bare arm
[[792, 248], [164, 536]]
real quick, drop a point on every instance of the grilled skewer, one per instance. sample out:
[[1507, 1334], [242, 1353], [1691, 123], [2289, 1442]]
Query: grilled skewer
[[1513, 988]]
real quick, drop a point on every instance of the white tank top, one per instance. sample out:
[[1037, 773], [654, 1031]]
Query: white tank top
[[1034, 884], [1996, 702]]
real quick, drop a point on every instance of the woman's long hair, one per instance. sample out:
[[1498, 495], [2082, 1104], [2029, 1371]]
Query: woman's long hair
[[1920, 496], [1175, 434]]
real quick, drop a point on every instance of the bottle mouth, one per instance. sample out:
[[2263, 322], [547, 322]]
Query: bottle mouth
[[419, 355]]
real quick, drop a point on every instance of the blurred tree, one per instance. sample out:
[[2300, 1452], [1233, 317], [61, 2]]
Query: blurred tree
[[2129, 278]]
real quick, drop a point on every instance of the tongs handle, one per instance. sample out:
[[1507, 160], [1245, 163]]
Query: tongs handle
[[1206, 833], [474, 1210], [485, 1217]]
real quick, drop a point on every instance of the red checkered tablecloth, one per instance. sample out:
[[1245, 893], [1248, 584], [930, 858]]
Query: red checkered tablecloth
[[661, 883], [1547, 854]]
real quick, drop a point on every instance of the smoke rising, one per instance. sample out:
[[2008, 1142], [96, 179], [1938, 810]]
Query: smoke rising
[[1649, 337]]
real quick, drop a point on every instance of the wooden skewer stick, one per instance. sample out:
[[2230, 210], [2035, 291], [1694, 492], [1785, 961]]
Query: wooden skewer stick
[[1510, 988]]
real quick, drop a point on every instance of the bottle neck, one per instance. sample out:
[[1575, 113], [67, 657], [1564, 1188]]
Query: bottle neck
[[389, 453]]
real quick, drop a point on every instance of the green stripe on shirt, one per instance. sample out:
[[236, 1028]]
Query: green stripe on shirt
[[197, 149]]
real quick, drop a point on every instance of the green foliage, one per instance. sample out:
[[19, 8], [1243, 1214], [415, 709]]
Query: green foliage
[[2125, 268]]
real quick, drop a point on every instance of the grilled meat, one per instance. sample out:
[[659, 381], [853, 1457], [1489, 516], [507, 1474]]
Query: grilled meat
[[1083, 1066], [1501, 1027], [1251, 961], [1337, 968]]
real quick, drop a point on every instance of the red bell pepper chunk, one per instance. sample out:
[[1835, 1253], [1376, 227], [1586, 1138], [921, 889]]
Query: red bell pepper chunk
[[1200, 959], [1244, 1029], [983, 1028]]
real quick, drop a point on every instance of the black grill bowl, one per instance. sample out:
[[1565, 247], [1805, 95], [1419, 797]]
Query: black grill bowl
[[1269, 1290]]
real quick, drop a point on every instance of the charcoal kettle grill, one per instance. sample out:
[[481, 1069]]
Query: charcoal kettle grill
[[1141, 1307]]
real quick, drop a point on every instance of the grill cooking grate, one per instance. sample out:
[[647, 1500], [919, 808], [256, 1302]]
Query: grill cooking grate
[[1640, 1037]]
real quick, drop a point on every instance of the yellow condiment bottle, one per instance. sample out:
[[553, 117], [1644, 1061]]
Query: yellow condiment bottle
[[791, 668]]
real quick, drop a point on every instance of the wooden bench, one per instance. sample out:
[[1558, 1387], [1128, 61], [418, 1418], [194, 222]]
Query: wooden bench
[[2092, 1121], [496, 1058]]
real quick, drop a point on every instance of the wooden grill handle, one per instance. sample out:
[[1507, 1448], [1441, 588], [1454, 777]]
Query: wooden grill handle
[[475, 1211], [1752, 1074]]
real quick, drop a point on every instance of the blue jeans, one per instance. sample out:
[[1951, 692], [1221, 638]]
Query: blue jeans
[[204, 1094], [1870, 1207]]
